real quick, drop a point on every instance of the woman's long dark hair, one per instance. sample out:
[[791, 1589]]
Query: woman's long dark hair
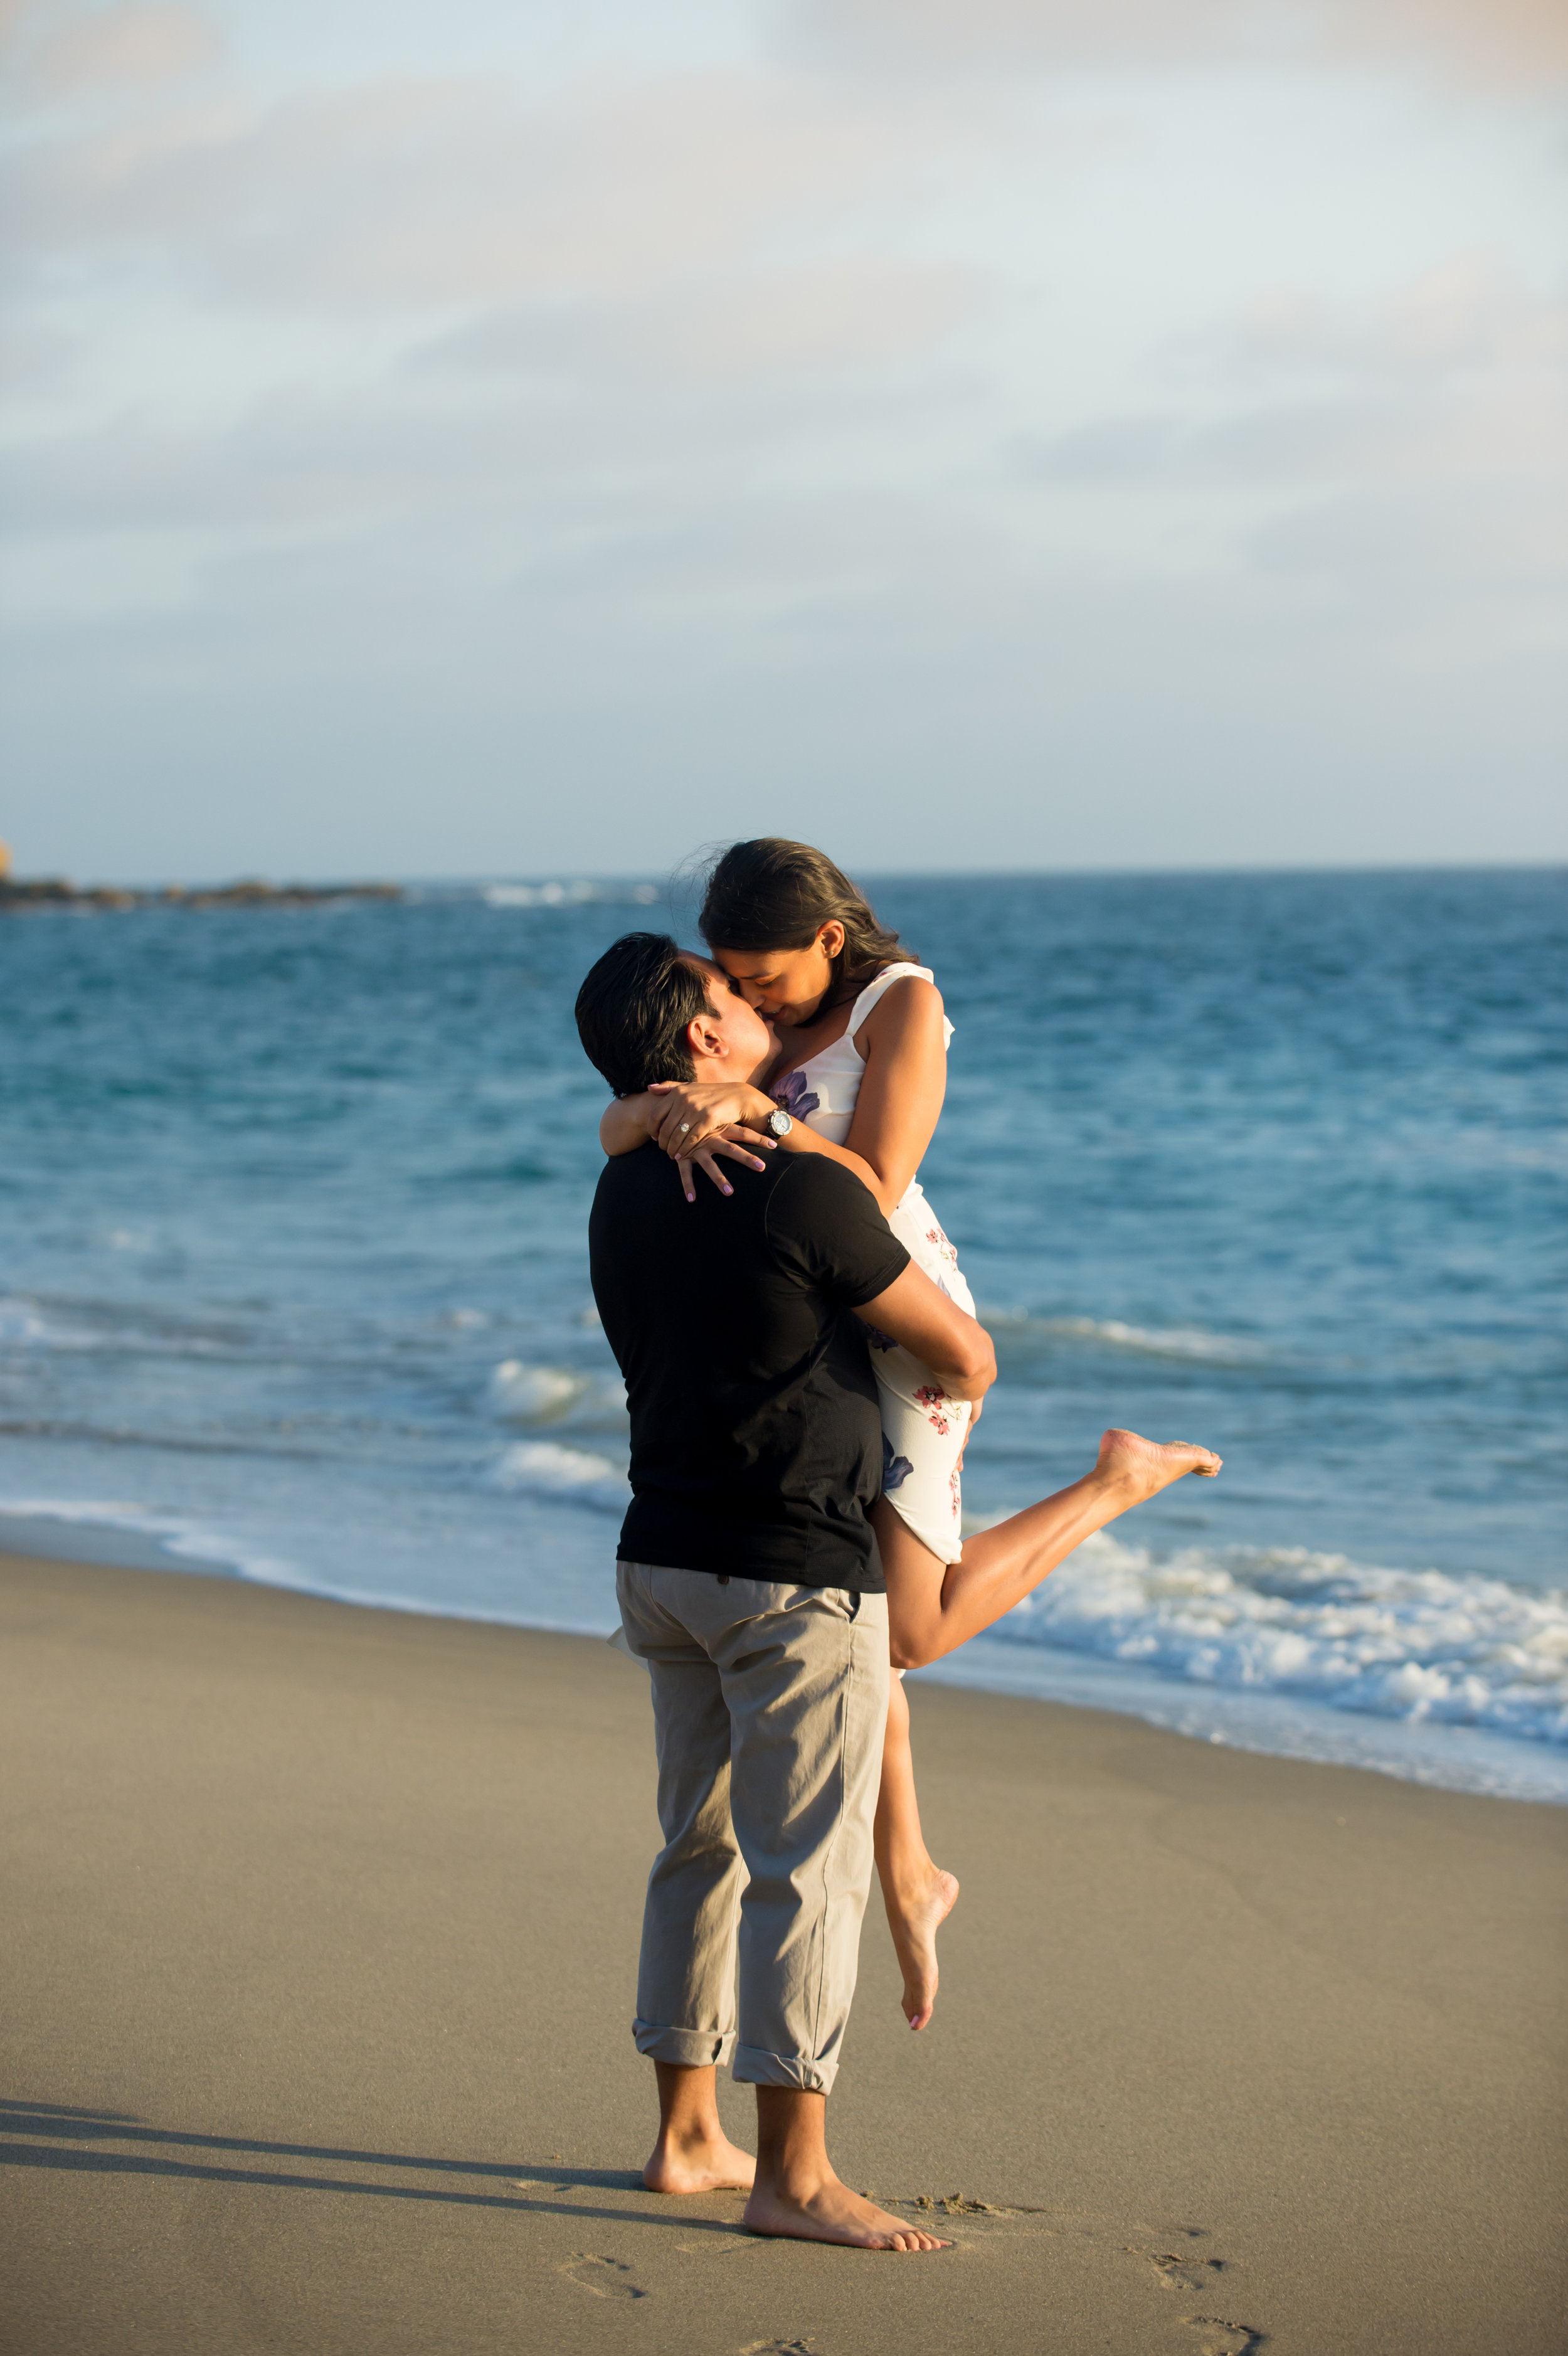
[[773, 894]]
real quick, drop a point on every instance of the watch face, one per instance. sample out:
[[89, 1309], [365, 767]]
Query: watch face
[[781, 1124]]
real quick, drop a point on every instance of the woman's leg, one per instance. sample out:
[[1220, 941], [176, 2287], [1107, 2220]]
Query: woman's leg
[[933, 1606], [918, 1895], [923, 1445]]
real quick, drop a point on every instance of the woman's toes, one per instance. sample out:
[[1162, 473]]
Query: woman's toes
[[1154, 1464], [915, 1927]]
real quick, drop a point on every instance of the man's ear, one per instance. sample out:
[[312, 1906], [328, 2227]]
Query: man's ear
[[701, 1038]]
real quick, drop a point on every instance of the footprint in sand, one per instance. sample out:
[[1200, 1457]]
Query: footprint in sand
[[1186, 2273], [778, 2348], [1240, 2339], [605, 2277], [954, 2205]]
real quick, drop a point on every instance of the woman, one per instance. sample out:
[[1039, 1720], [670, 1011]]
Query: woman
[[860, 1077]]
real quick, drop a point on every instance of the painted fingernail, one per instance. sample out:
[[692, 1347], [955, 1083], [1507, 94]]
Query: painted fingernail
[[729, 1190]]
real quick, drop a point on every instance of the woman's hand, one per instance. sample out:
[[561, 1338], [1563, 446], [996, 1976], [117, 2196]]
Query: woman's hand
[[696, 1111], [729, 1143]]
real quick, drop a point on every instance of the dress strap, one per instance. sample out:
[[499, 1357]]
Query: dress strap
[[873, 991]]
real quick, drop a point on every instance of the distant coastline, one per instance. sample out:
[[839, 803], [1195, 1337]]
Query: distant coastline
[[54, 891]]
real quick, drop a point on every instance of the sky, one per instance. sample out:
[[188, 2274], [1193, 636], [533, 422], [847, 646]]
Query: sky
[[519, 436]]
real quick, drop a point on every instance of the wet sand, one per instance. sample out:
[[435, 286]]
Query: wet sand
[[318, 1935]]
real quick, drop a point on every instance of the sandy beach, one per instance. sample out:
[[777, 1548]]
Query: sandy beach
[[319, 1935]]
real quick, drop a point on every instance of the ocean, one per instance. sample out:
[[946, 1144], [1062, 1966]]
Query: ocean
[[293, 1276]]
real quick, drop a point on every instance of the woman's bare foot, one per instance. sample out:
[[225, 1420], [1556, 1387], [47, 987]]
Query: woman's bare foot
[[708, 2163], [1146, 1467], [915, 1918], [833, 2213]]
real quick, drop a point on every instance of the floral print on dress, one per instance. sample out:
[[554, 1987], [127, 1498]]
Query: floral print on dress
[[933, 1398], [896, 1470], [934, 1236], [877, 1339], [958, 1488], [799, 1101]]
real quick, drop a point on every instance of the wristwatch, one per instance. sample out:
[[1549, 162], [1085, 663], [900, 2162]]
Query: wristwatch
[[780, 1122]]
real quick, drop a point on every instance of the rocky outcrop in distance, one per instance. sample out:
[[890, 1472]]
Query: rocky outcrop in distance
[[54, 892]]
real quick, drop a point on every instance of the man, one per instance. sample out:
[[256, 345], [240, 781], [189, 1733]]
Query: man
[[750, 1584]]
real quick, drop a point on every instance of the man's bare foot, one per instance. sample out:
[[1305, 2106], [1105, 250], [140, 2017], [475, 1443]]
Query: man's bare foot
[[833, 2213], [914, 1919], [1146, 1467], [710, 2163]]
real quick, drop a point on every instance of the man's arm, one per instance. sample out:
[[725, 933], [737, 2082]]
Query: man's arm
[[936, 1331]]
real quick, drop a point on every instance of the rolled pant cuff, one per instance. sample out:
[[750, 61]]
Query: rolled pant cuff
[[688, 2049], [797, 2071]]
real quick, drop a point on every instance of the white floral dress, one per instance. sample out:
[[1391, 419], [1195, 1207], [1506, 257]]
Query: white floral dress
[[923, 1430]]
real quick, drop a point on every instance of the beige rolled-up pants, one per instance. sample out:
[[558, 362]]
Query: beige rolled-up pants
[[770, 1703]]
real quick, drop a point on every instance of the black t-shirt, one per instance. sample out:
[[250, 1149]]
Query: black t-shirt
[[756, 1435]]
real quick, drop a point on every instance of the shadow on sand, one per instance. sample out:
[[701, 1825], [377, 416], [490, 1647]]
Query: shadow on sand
[[64, 2137]]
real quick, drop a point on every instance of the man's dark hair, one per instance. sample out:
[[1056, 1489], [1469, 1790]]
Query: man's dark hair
[[633, 1009]]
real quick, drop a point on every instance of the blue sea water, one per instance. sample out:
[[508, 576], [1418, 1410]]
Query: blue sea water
[[293, 1272]]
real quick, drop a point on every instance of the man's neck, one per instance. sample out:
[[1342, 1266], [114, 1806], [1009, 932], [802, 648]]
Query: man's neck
[[710, 1069]]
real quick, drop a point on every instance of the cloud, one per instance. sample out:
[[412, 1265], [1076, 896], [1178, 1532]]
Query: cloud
[[36, 359], [14, 13], [140, 46], [1516, 42], [773, 322], [772, 422], [1468, 313], [404, 191], [1462, 369], [1403, 458]]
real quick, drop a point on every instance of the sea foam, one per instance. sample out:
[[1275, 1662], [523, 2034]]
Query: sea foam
[[1422, 1646], [1115, 1333], [564, 896], [546, 1469], [177, 1535], [520, 1393], [25, 1326]]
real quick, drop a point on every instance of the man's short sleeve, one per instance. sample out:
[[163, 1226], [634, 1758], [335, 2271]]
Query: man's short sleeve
[[824, 1224]]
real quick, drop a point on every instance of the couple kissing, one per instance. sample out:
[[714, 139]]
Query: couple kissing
[[803, 1368]]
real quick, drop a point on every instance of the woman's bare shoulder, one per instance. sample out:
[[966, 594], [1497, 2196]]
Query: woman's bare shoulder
[[907, 1009]]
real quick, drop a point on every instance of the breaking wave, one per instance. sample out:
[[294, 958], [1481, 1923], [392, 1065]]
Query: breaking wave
[[543, 1467], [520, 1393], [1111, 1333], [566, 895], [1425, 1646]]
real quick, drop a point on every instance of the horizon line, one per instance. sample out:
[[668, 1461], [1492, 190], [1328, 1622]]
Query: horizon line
[[478, 878]]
